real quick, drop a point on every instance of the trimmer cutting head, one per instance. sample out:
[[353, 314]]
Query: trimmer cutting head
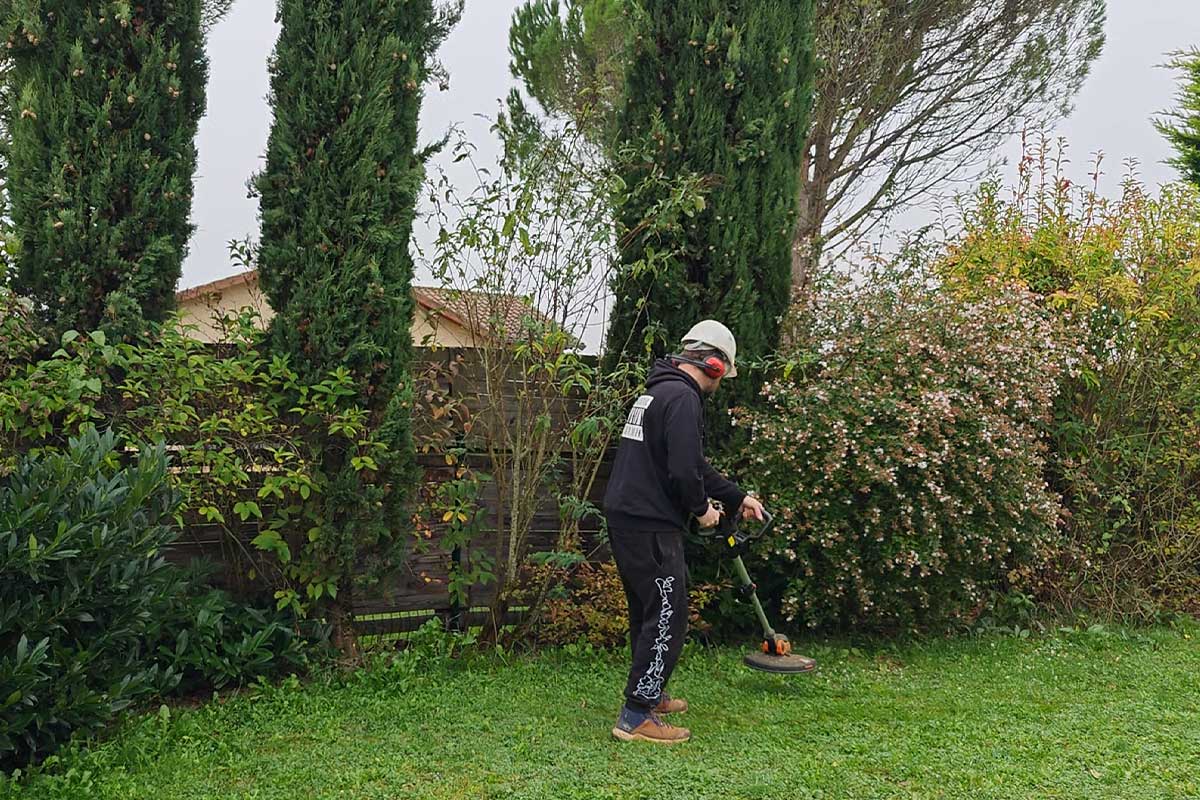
[[777, 656], [784, 665]]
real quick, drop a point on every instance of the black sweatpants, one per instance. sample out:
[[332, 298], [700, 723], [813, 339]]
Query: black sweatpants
[[654, 573]]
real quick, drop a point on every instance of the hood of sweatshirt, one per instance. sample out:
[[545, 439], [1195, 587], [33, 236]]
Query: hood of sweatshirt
[[663, 371]]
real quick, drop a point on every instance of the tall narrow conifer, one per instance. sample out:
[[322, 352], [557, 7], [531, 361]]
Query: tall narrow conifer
[[102, 104], [722, 89]]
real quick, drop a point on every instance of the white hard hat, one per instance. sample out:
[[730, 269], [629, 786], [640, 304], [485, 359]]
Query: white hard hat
[[712, 335]]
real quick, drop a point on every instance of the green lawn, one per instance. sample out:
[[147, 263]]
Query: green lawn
[[1107, 714]]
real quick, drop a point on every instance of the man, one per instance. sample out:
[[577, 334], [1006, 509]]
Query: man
[[660, 481]]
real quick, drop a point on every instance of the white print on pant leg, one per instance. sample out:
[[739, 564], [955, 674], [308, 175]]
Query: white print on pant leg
[[650, 685]]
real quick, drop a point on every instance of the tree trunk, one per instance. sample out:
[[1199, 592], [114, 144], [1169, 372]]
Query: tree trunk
[[495, 621], [811, 210], [345, 638], [806, 257]]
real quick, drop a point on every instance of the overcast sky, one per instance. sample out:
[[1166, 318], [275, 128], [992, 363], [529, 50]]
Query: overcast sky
[[1113, 114]]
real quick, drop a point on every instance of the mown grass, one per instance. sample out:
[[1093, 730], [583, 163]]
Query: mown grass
[[1100, 714]]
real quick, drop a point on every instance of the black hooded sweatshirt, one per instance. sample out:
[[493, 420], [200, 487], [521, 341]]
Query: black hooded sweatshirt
[[660, 478]]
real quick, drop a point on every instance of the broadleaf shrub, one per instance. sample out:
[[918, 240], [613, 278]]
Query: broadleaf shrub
[[573, 601], [93, 619], [582, 602], [899, 440], [212, 641], [84, 580]]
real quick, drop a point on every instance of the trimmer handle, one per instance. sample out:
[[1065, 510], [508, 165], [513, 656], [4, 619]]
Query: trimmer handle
[[768, 522], [729, 530]]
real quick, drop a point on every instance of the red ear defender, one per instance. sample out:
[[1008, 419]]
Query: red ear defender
[[714, 367]]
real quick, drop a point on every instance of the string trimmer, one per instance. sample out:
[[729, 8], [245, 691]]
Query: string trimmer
[[776, 654]]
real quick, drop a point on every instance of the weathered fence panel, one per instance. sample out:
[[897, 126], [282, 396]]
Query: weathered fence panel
[[418, 589]]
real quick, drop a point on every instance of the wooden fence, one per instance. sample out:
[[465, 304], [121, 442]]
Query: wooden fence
[[419, 589]]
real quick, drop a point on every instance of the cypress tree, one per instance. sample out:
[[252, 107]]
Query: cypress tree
[[338, 196], [102, 104], [721, 89], [1182, 127]]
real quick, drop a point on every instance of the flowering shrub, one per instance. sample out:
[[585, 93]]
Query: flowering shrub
[[900, 444]]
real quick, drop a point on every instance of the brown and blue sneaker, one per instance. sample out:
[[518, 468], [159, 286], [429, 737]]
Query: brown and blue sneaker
[[647, 726], [671, 705]]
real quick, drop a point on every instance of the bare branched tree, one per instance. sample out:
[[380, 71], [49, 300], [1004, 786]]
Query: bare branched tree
[[910, 93]]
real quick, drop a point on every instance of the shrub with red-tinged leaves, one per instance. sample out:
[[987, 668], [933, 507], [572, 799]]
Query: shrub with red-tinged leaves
[[581, 603], [900, 442]]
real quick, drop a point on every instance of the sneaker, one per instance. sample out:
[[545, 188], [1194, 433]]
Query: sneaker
[[671, 705], [647, 726]]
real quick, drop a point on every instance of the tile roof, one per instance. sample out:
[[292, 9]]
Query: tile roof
[[457, 306], [464, 307], [249, 277]]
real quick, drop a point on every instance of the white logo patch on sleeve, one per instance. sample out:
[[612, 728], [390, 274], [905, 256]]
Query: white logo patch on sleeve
[[633, 424]]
